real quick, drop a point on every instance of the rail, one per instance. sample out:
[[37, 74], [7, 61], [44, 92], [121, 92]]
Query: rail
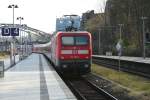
[[85, 90]]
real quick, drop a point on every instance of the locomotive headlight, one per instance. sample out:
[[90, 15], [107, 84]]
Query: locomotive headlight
[[64, 66], [62, 57], [86, 65], [87, 57]]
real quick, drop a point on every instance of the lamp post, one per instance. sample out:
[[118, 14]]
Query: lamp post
[[20, 19], [143, 29], [120, 28], [21, 36], [13, 7], [119, 44], [13, 41], [119, 47]]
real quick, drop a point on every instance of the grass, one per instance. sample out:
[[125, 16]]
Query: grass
[[136, 84]]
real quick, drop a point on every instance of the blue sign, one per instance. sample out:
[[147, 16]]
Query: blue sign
[[10, 31], [5, 31], [14, 31]]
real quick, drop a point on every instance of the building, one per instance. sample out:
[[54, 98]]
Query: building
[[85, 17]]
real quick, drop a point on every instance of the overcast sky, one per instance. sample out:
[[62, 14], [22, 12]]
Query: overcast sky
[[42, 14]]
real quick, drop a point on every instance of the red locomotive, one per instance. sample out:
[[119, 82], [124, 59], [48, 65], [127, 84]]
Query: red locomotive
[[71, 52]]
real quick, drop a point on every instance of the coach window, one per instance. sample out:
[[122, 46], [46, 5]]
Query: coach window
[[67, 40], [81, 40]]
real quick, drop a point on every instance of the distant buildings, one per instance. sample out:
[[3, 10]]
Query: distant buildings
[[67, 22], [85, 17]]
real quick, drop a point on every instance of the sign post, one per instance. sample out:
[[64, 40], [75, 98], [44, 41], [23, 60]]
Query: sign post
[[11, 31], [119, 49]]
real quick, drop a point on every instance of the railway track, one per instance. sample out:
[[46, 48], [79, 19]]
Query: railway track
[[122, 68], [85, 90]]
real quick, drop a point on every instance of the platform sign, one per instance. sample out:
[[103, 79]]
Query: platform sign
[[14, 31], [119, 48], [10, 31], [1, 68], [5, 31]]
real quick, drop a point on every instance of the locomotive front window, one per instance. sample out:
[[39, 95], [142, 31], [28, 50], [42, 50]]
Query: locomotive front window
[[68, 40], [81, 40]]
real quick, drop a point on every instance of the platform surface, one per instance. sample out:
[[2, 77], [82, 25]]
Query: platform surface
[[33, 79], [134, 59]]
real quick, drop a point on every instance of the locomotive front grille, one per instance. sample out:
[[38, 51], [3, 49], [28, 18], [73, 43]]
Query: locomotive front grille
[[75, 66]]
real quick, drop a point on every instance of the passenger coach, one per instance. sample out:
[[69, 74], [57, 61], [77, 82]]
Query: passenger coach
[[71, 52]]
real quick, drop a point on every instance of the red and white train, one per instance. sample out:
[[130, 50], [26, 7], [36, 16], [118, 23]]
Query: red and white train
[[71, 52]]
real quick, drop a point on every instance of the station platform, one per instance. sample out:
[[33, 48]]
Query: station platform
[[126, 58], [33, 79]]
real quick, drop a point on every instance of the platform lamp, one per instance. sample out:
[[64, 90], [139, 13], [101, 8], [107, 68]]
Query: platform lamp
[[21, 35], [13, 6], [143, 30]]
